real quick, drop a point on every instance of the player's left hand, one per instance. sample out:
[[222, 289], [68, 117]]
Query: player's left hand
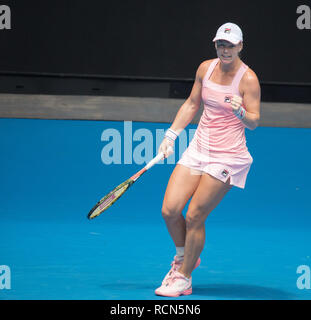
[[237, 107], [236, 103]]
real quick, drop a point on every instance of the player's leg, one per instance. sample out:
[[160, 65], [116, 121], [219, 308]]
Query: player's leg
[[207, 196], [181, 186]]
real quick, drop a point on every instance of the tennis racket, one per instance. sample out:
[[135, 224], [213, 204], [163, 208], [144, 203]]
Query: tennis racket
[[108, 200]]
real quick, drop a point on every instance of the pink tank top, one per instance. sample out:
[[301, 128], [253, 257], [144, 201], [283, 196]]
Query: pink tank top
[[220, 134]]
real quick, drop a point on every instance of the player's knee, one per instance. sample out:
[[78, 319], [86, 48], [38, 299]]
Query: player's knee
[[169, 213], [195, 218]]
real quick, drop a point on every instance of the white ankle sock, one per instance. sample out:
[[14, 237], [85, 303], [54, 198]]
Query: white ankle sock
[[180, 251]]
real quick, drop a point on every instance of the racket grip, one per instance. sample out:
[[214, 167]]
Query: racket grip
[[156, 159]]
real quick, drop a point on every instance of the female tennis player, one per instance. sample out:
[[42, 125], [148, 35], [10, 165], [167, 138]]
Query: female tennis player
[[217, 157]]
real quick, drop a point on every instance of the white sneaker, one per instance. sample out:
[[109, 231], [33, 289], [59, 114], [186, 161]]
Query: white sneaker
[[175, 266], [176, 285]]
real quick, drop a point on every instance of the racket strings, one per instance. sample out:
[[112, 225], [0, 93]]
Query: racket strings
[[113, 196], [116, 193], [109, 199]]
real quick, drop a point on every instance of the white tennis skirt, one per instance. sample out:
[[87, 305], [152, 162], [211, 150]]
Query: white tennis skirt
[[222, 168]]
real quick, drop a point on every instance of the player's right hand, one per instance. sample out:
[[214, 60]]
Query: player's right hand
[[167, 147]]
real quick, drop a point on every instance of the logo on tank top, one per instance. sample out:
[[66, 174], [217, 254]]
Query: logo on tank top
[[227, 30], [227, 99], [225, 173]]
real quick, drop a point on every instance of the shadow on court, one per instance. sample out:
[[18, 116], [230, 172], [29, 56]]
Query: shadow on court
[[241, 291], [211, 291], [128, 286]]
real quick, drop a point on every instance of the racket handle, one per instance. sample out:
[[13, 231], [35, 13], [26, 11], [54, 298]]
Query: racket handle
[[156, 159]]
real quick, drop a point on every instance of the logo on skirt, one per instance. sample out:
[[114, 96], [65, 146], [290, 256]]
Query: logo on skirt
[[225, 173]]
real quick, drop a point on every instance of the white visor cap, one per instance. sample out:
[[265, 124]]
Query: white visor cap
[[230, 32]]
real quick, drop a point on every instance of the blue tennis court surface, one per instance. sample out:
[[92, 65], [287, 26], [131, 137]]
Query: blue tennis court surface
[[52, 173]]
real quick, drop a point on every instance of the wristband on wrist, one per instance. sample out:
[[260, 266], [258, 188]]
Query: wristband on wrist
[[171, 134], [241, 113]]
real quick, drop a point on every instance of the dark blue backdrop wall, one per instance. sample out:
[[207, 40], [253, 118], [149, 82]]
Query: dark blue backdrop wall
[[162, 39]]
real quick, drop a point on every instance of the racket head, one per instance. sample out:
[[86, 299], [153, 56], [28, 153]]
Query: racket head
[[109, 199]]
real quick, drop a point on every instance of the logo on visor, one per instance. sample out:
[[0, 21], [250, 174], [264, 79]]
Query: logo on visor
[[227, 99], [227, 30]]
